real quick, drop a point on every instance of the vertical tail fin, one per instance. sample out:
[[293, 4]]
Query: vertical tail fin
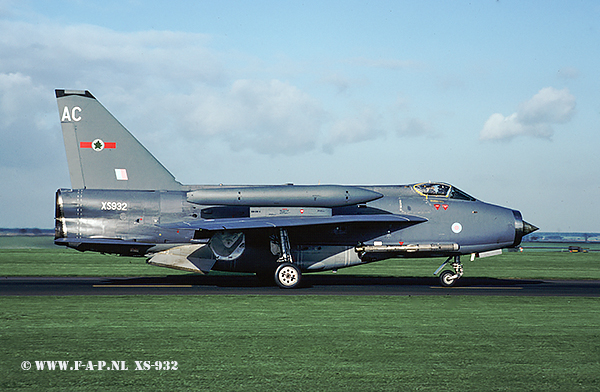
[[101, 152]]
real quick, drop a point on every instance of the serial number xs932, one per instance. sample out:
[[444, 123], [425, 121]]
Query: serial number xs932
[[156, 365], [114, 206]]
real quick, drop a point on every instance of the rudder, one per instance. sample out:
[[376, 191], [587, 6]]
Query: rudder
[[101, 152]]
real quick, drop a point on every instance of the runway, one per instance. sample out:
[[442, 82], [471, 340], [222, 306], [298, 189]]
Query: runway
[[311, 285]]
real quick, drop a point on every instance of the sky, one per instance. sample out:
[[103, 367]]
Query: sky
[[500, 98]]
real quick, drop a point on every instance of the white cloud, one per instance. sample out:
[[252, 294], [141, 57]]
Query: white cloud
[[341, 83], [82, 56], [533, 117], [171, 85], [167, 81], [25, 122], [404, 124], [127, 68], [167, 86], [549, 105], [361, 127], [498, 127], [269, 117], [415, 127]]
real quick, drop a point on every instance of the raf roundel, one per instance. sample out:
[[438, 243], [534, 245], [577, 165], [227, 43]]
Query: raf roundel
[[456, 227], [97, 145]]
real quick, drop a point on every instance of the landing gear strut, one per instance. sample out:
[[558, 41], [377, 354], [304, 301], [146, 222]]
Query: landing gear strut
[[288, 274], [447, 277]]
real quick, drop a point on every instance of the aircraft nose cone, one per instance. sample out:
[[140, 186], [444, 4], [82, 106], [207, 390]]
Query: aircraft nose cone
[[522, 228], [529, 228]]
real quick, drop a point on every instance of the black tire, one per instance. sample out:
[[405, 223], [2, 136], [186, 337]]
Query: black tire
[[288, 276], [446, 278]]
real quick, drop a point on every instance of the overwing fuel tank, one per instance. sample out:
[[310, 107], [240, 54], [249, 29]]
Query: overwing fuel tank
[[284, 195]]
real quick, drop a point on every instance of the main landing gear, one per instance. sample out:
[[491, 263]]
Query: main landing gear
[[288, 274], [447, 277]]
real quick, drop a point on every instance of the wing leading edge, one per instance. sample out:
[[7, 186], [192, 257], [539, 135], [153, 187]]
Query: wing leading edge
[[295, 221]]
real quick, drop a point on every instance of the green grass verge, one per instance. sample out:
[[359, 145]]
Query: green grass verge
[[31, 256], [27, 242], [246, 343], [68, 262], [38, 256], [233, 343], [522, 265]]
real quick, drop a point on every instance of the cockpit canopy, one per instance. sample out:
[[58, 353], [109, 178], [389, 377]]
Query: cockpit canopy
[[439, 189]]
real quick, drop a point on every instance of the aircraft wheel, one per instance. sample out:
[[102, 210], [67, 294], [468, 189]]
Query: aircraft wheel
[[447, 278], [287, 276]]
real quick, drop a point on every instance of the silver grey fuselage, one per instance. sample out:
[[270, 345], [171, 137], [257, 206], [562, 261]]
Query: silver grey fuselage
[[140, 219]]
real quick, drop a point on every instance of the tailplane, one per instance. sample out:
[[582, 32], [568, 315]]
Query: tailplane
[[101, 152]]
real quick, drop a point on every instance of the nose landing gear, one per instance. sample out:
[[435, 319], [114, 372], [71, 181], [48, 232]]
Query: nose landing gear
[[447, 277]]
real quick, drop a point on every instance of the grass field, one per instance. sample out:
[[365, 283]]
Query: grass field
[[262, 343], [257, 343], [31, 256]]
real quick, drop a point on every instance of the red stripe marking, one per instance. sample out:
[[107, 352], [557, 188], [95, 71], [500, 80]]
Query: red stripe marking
[[89, 145]]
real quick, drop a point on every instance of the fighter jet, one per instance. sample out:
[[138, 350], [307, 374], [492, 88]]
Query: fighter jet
[[124, 201]]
